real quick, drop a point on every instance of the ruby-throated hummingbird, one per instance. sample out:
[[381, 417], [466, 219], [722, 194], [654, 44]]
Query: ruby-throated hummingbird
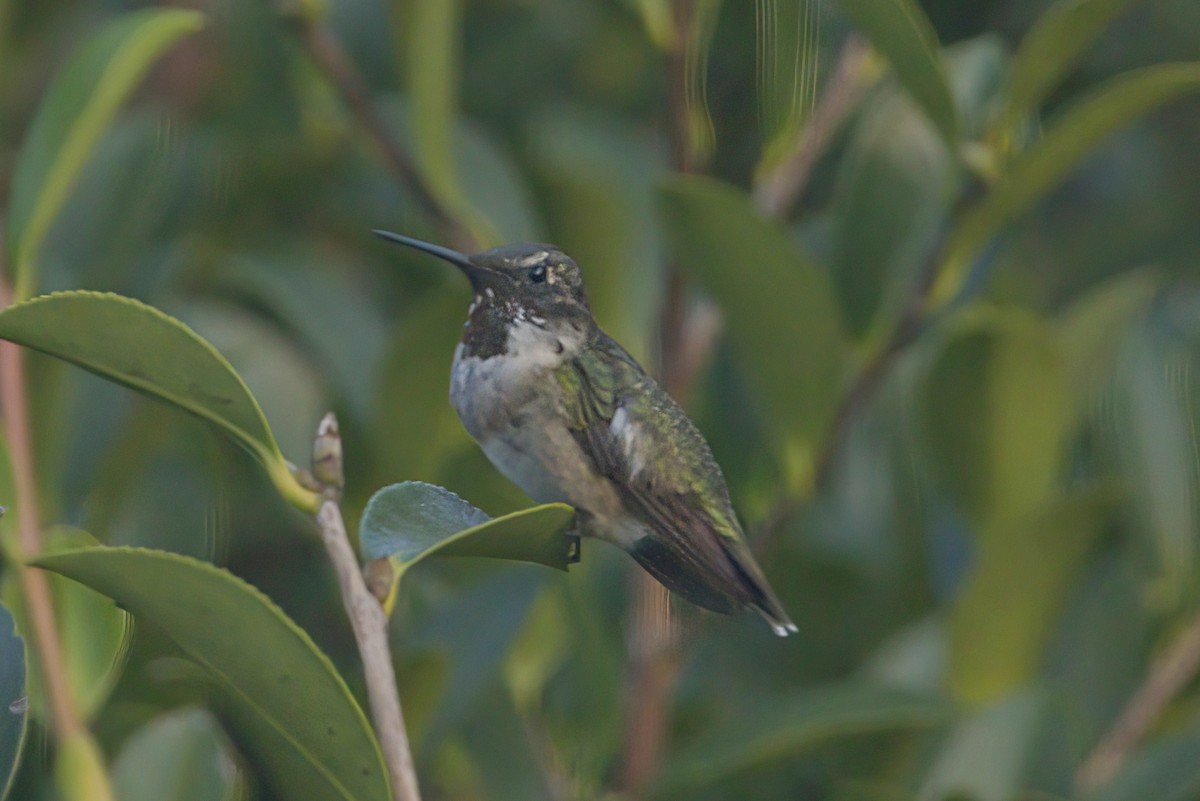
[[566, 414]]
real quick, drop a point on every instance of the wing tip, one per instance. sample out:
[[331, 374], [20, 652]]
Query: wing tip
[[784, 629], [778, 621]]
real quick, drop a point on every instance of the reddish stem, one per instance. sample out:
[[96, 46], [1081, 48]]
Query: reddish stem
[[39, 603]]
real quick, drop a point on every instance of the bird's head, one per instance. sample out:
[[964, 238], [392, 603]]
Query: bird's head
[[537, 277]]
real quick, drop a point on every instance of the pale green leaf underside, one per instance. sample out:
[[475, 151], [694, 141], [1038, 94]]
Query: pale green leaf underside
[[293, 712], [412, 521], [181, 755]]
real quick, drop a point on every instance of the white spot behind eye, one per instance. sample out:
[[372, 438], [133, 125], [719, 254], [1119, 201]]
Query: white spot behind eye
[[531, 260]]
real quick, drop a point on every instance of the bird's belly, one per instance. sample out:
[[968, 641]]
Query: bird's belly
[[518, 419]]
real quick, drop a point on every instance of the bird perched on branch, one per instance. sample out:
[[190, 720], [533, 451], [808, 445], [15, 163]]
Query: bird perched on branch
[[566, 413]]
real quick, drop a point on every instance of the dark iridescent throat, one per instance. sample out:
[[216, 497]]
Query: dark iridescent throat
[[486, 331]]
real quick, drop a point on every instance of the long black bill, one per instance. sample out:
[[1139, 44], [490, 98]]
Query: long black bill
[[453, 256]]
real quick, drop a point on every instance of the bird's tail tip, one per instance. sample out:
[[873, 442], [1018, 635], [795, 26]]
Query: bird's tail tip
[[779, 622]]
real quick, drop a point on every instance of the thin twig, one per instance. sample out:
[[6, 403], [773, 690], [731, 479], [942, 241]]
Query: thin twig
[[783, 187], [370, 626], [330, 58], [39, 603], [1168, 675]]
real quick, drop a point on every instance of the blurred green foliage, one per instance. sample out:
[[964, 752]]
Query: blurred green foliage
[[948, 375]]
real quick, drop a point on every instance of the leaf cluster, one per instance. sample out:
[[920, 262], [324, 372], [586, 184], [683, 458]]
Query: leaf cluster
[[948, 378]]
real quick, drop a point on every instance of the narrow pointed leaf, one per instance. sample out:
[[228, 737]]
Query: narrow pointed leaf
[[1024, 568], [76, 111], [1091, 329], [433, 56], [603, 173], [13, 700], [179, 756], [290, 710], [136, 345], [1052, 47], [998, 414], [785, 728], [412, 521], [986, 756], [780, 308], [879, 245], [1044, 166], [902, 32]]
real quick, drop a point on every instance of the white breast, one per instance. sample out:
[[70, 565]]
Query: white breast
[[509, 379], [512, 405]]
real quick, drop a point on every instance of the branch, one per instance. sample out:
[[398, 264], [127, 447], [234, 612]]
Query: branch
[[1168, 675], [39, 603], [330, 58], [866, 384], [860, 392], [367, 618], [779, 191]]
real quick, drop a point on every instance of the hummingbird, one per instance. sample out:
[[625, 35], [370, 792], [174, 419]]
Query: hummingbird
[[566, 414]]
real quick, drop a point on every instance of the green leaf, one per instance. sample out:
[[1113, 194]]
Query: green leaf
[[998, 413], [785, 728], [179, 756], [79, 771], [133, 344], [1168, 770], [601, 176], [656, 18], [422, 346], [327, 307], [76, 111], [495, 184], [14, 717], [94, 633], [901, 31], [290, 709], [985, 757], [1150, 428], [1024, 569], [781, 310], [408, 522], [1044, 166], [469, 636], [1090, 330], [432, 58], [890, 200], [1053, 45]]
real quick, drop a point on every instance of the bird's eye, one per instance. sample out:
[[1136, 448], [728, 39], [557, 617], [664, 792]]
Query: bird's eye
[[537, 273]]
